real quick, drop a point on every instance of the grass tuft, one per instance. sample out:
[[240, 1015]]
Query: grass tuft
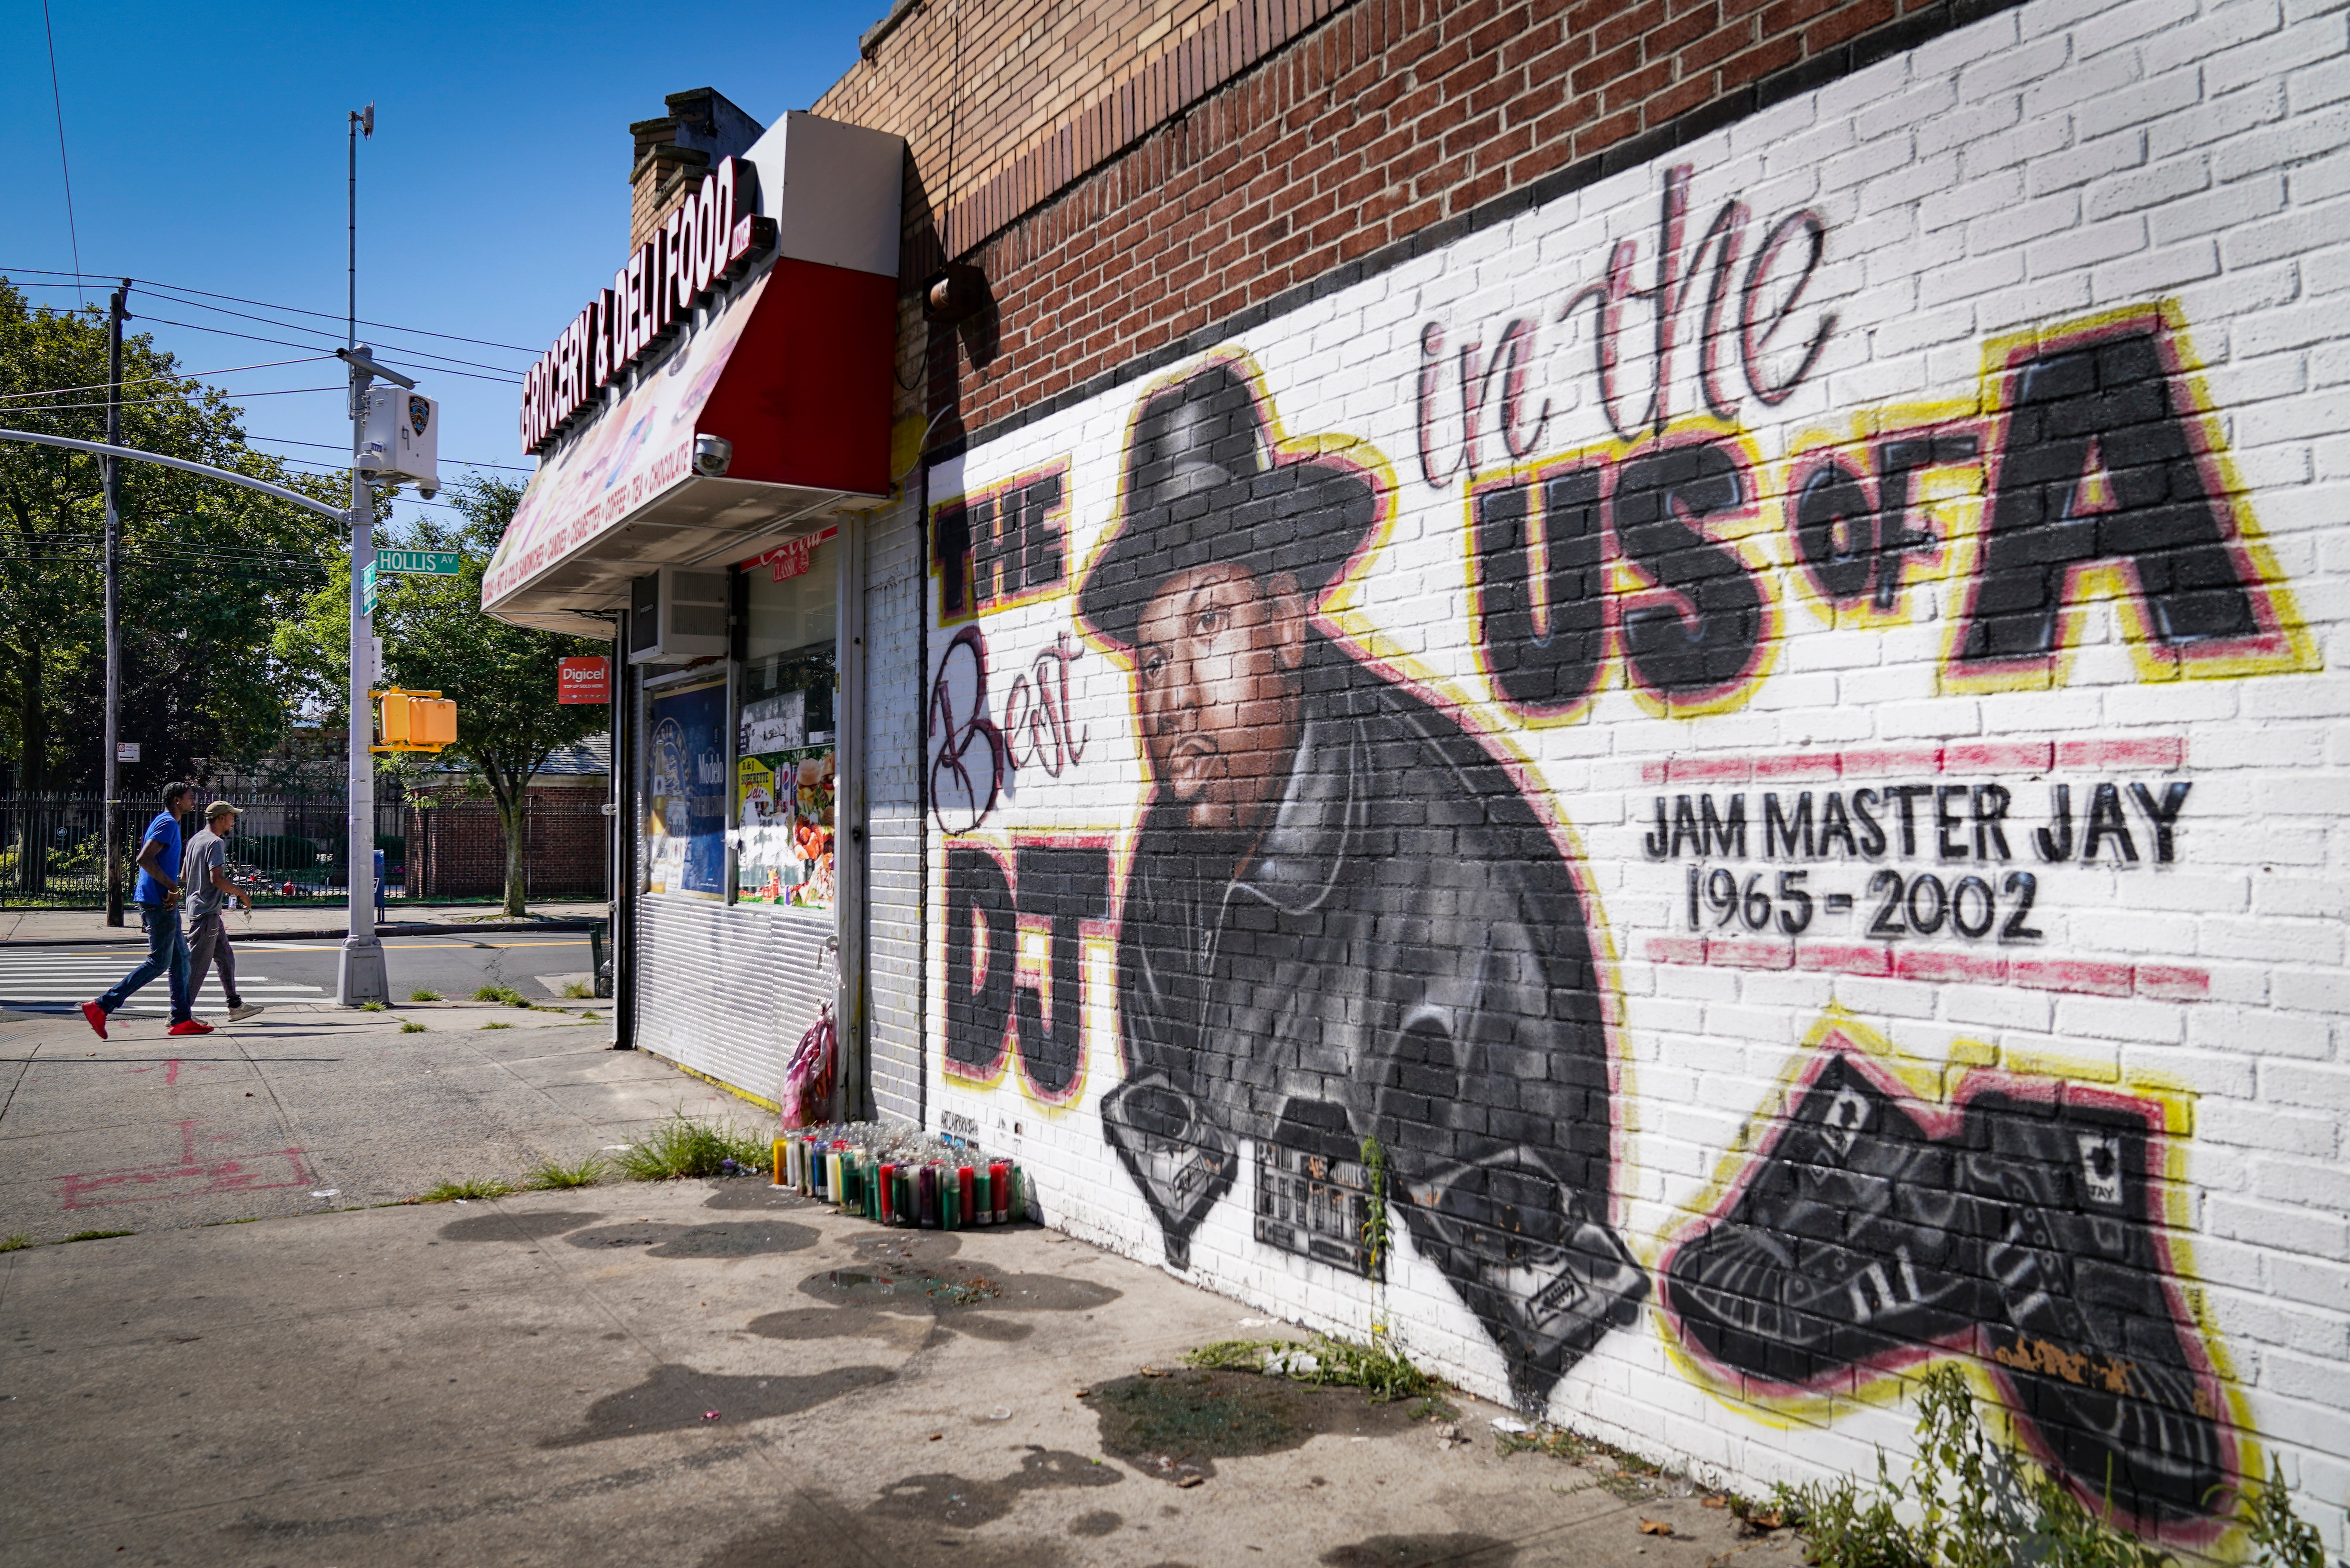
[[374, 1007], [1378, 1368], [411, 1027], [497, 1026], [579, 990], [15, 1242], [424, 993], [97, 1235], [553, 1176], [506, 995], [472, 1187], [682, 1147]]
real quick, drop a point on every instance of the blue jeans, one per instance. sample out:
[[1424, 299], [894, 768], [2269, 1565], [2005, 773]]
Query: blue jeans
[[166, 949]]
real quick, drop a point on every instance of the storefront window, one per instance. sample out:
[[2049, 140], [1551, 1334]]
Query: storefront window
[[784, 747], [685, 789]]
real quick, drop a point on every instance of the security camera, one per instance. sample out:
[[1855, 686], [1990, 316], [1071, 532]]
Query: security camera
[[710, 455]]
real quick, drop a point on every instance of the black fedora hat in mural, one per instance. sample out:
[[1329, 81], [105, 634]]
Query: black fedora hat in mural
[[1204, 488]]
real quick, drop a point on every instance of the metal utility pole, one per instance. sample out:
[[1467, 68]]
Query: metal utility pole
[[111, 812], [359, 969]]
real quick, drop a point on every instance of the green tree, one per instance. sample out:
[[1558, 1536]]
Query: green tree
[[436, 638], [207, 569]]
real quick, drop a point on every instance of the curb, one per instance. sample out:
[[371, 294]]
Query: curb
[[397, 928]]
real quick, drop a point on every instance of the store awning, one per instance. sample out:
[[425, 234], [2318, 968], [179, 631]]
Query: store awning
[[794, 371]]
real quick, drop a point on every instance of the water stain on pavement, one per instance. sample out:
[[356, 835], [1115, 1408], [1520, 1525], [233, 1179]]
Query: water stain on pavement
[[817, 1528], [504, 1227], [945, 1284], [674, 1397], [1175, 1425], [961, 1503], [741, 1238], [753, 1193], [1457, 1550], [1094, 1525]]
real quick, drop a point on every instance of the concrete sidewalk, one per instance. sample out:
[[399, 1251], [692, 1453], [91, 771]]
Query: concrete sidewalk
[[144, 1132], [713, 1373], [300, 920]]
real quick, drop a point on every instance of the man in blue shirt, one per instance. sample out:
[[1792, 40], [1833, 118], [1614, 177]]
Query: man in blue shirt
[[157, 892]]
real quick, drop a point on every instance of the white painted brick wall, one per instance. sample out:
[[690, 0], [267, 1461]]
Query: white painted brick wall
[[2017, 181]]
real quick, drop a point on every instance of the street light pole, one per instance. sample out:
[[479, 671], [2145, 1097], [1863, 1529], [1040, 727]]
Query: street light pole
[[111, 808]]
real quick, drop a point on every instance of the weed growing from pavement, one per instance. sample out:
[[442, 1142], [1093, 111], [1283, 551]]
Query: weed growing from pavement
[[497, 1026], [682, 1147], [422, 993], [15, 1242], [553, 1176], [374, 1007], [1978, 1504], [504, 994], [1378, 1368], [578, 990], [469, 1187], [97, 1235], [411, 1027]]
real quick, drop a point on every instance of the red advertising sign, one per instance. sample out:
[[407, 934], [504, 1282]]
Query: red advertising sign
[[584, 680], [791, 558]]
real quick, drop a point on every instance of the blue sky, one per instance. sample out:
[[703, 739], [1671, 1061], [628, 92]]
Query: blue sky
[[207, 152]]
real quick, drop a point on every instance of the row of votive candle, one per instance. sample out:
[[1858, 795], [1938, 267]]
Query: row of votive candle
[[934, 1196]]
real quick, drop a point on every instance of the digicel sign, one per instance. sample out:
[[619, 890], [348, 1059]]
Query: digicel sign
[[709, 240], [586, 679]]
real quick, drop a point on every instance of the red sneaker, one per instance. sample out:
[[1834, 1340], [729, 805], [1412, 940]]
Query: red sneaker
[[97, 1016], [189, 1026]]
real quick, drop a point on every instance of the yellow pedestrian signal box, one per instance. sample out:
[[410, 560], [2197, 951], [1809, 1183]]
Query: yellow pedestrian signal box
[[415, 721]]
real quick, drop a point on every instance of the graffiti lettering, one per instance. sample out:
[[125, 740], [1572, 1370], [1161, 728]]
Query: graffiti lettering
[[1945, 822], [964, 784], [1064, 887], [2097, 465], [1542, 630], [1036, 712], [1003, 547]]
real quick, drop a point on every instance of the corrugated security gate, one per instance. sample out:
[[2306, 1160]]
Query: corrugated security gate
[[729, 992]]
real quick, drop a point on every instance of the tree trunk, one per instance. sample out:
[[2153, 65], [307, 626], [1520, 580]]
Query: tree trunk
[[513, 812]]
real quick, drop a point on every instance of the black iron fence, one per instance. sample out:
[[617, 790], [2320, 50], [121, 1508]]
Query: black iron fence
[[288, 847], [292, 847]]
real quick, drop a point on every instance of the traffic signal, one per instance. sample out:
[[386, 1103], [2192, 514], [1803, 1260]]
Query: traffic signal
[[415, 721]]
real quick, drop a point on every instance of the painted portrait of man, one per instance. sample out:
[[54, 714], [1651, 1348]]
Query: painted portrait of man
[[1343, 919]]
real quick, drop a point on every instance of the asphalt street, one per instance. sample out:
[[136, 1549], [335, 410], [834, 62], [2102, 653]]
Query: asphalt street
[[53, 980]]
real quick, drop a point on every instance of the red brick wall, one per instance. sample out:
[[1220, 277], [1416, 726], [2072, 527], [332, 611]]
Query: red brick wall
[[1252, 147], [457, 847]]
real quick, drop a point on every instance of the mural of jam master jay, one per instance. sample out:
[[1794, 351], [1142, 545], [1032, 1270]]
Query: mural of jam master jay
[[1343, 920], [2027, 1236]]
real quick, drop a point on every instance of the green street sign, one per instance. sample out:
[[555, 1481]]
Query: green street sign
[[367, 587], [428, 563]]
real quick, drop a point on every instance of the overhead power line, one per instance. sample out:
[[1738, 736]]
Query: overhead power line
[[330, 446], [296, 326], [175, 376], [157, 402], [57, 97], [289, 343], [294, 309]]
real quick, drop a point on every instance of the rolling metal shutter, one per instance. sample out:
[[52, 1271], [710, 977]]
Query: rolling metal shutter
[[729, 992]]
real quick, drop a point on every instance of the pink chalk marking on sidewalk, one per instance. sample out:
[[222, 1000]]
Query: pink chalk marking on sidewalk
[[2161, 751], [2080, 977], [172, 1069], [215, 1176]]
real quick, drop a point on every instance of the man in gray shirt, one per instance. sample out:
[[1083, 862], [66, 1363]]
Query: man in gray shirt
[[204, 874]]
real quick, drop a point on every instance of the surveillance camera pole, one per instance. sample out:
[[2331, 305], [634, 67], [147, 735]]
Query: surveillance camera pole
[[360, 975]]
